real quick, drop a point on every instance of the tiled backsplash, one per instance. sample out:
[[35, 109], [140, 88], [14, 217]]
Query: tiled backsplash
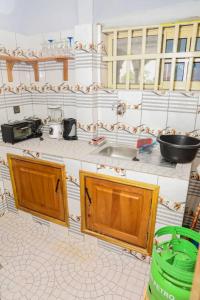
[[96, 111]]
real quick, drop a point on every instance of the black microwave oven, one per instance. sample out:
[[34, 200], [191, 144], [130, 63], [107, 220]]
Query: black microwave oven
[[18, 131]]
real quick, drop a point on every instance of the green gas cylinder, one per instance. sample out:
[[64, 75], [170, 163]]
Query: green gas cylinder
[[173, 264]]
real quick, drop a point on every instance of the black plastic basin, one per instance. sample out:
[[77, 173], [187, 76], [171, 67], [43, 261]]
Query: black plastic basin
[[178, 148]]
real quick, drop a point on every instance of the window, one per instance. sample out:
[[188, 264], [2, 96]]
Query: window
[[182, 44], [149, 71], [197, 48], [122, 46], [135, 67], [167, 71], [169, 46], [196, 71], [121, 71], [151, 44], [179, 71], [136, 45], [145, 57]]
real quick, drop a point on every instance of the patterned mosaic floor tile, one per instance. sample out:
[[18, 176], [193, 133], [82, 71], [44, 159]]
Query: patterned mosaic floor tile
[[37, 264]]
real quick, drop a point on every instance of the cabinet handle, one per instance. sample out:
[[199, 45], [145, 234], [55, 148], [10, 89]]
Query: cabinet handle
[[86, 190], [57, 185]]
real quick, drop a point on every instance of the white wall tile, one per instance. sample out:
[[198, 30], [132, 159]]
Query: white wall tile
[[25, 77], [107, 115], [103, 77], [42, 76], [70, 112], [74, 207], [143, 177], [88, 167], [72, 167], [84, 115], [154, 119], [181, 121], [16, 77], [84, 76], [174, 190], [54, 77], [40, 110], [3, 115], [131, 97], [3, 73], [25, 111], [131, 117]]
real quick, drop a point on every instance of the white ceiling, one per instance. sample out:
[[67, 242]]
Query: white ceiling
[[36, 16]]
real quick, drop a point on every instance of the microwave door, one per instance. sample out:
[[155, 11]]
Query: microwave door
[[22, 132]]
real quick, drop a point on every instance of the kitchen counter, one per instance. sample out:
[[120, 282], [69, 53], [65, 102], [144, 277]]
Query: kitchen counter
[[151, 163]]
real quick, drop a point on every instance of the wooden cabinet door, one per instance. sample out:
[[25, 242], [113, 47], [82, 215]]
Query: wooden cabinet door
[[39, 187], [120, 211]]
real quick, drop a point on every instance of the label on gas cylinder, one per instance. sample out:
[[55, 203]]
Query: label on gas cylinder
[[161, 290]]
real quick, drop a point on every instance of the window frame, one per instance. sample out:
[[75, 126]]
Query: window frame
[[176, 31]]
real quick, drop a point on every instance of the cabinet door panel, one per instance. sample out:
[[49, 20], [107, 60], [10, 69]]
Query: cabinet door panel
[[119, 211], [39, 188]]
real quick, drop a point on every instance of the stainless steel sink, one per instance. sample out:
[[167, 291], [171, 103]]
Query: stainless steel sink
[[117, 151]]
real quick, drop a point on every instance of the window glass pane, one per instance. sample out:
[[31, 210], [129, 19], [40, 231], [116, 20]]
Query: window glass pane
[[179, 71], [182, 43], [149, 71], [169, 46], [121, 71], [135, 71], [196, 72], [136, 45], [197, 48], [151, 44], [122, 46], [167, 72]]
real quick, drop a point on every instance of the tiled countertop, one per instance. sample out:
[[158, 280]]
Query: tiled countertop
[[82, 151]]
